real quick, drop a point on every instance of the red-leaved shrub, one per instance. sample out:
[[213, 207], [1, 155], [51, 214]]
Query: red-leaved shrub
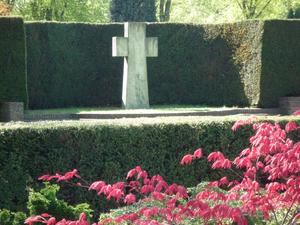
[[268, 182]]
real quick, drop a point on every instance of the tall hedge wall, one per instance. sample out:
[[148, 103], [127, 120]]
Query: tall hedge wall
[[246, 64], [72, 65], [280, 61], [108, 150], [12, 60], [206, 64]]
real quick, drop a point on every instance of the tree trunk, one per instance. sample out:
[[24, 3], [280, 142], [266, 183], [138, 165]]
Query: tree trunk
[[252, 9], [161, 10], [164, 10], [167, 10]]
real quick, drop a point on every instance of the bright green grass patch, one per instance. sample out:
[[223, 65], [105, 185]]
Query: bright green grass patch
[[155, 108], [67, 110]]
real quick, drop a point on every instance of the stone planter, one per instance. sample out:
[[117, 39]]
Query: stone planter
[[11, 111], [288, 105]]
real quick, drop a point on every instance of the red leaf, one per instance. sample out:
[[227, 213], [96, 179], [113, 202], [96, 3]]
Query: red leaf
[[198, 153], [186, 160]]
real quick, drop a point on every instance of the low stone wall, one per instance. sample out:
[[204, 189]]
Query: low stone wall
[[11, 111], [288, 105]]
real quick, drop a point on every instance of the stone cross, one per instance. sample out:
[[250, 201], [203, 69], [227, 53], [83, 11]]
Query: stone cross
[[135, 48]]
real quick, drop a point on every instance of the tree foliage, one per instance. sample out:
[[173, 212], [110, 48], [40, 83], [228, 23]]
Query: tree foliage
[[185, 11], [63, 10], [293, 8], [5, 9], [164, 10], [220, 11], [252, 9], [132, 10]]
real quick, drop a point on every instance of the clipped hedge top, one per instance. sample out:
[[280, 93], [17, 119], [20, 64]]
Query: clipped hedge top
[[129, 122], [71, 23], [11, 17], [148, 23]]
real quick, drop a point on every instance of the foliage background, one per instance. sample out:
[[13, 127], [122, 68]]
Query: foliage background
[[220, 11], [181, 11]]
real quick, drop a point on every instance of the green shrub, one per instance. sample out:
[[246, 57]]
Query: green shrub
[[12, 60], [108, 150], [206, 64], [71, 65], [46, 201], [280, 61], [10, 218]]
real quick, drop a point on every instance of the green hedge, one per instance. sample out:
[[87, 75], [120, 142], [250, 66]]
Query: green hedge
[[72, 64], [246, 64], [12, 60], [280, 61], [108, 150], [206, 64], [11, 218]]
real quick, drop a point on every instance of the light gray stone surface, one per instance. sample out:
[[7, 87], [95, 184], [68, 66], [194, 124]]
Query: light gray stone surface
[[135, 47], [289, 105], [11, 111]]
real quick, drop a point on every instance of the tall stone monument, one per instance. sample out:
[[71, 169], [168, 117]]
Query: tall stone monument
[[135, 47]]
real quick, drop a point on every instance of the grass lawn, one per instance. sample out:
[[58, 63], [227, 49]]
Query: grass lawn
[[155, 108]]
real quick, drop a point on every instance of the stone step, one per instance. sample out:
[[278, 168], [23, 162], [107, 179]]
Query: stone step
[[57, 116], [288, 105], [11, 111]]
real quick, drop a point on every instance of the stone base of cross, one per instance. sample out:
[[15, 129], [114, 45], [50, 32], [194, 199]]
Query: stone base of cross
[[135, 48]]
